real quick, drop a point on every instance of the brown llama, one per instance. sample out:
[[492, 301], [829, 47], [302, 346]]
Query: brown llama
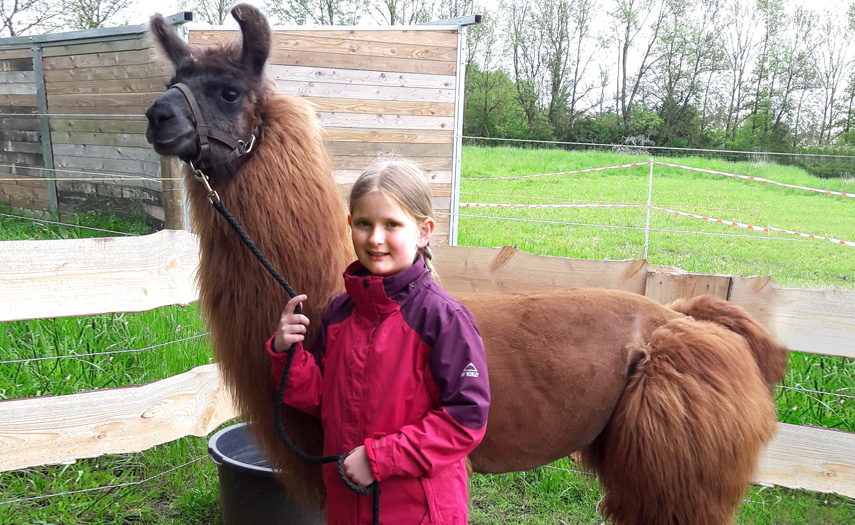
[[669, 405]]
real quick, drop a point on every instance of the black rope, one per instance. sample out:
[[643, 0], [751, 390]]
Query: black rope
[[277, 403]]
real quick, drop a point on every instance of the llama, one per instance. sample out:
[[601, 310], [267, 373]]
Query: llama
[[670, 406]]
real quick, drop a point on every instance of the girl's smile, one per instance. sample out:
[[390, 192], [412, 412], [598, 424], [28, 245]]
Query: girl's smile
[[385, 237]]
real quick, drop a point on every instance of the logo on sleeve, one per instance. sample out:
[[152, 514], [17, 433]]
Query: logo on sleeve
[[469, 371]]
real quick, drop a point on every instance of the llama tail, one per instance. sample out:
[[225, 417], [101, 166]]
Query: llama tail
[[771, 356], [687, 431]]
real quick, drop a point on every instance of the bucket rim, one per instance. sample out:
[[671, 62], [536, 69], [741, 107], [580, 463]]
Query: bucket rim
[[222, 460]]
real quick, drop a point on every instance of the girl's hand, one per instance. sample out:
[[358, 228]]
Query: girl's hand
[[358, 468], [292, 327]]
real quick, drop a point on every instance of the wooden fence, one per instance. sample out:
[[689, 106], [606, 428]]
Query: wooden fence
[[42, 279], [75, 102]]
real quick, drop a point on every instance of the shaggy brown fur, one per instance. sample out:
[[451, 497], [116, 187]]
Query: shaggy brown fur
[[275, 194], [670, 406]]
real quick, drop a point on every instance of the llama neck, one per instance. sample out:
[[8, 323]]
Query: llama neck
[[286, 199]]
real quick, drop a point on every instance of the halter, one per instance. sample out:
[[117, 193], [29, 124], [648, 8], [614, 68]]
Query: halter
[[238, 146]]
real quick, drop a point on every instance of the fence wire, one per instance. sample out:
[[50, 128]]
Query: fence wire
[[635, 228], [57, 223], [109, 352], [106, 487]]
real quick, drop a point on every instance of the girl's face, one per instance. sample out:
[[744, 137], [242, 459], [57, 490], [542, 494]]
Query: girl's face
[[385, 236]]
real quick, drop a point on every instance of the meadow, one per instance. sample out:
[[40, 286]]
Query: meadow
[[135, 348]]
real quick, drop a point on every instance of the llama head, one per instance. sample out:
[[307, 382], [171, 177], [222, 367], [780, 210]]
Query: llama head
[[210, 111]]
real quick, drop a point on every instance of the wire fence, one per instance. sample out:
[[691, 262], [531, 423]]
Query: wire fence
[[103, 487]]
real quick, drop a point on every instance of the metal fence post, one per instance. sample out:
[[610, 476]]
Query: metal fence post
[[649, 203]]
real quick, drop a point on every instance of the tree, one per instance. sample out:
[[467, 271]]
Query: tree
[[740, 47], [320, 12], [689, 48], [400, 12], [92, 14], [629, 19], [455, 8], [564, 26], [796, 66], [22, 16], [526, 51], [835, 59], [484, 79], [771, 14], [848, 124], [214, 12]]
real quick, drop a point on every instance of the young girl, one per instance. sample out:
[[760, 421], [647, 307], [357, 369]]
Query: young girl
[[398, 376]]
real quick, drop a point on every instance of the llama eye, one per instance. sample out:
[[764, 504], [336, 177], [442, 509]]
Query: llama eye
[[230, 95]]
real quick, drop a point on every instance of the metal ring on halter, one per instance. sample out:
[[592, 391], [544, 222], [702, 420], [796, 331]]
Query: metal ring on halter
[[244, 148]]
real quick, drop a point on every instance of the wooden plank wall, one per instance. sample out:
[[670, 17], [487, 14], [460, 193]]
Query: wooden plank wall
[[97, 94], [21, 186], [376, 92]]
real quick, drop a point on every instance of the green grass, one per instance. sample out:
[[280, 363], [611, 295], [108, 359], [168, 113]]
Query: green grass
[[550, 495], [791, 262], [555, 494], [94, 225]]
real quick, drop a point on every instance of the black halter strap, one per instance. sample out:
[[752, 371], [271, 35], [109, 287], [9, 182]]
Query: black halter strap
[[204, 131]]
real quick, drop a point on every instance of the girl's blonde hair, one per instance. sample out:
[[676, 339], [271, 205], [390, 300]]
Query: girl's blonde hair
[[405, 183]]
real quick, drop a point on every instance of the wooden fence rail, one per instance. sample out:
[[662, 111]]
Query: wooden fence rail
[[41, 279]]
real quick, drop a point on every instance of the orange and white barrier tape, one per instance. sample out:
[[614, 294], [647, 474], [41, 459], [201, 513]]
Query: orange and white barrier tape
[[589, 170], [758, 179], [765, 229]]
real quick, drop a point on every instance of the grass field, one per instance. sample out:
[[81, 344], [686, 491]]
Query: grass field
[[555, 494]]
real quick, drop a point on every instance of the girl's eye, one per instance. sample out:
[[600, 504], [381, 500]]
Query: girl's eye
[[230, 95]]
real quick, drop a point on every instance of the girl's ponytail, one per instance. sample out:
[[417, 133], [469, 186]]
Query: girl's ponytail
[[427, 257]]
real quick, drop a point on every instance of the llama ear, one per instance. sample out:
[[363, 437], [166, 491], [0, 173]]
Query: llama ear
[[168, 40], [256, 36]]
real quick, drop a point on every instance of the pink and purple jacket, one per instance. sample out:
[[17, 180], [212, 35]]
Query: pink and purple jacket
[[400, 368]]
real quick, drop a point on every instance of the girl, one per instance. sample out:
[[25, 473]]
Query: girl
[[399, 375]]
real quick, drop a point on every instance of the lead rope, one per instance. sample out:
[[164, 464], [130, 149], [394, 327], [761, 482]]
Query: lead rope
[[374, 488]]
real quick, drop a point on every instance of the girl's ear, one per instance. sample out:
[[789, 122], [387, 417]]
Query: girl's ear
[[350, 220], [425, 231]]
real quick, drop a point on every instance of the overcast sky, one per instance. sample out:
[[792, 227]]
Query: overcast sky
[[141, 11]]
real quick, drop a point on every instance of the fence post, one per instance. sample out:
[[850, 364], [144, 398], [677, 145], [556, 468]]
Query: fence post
[[649, 203], [172, 193], [44, 129]]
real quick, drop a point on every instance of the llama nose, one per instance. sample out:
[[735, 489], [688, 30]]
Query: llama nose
[[159, 112], [157, 115]]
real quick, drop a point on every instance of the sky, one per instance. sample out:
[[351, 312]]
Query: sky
[[140, 12]]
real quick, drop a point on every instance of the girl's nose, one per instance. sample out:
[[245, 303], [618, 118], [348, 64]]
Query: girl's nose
[[376, 237]]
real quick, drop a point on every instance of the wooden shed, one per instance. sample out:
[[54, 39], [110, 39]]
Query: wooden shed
[[73, 126]]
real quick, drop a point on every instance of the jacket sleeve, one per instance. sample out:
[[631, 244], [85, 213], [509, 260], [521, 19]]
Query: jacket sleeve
[[305, 379], [458, 369]]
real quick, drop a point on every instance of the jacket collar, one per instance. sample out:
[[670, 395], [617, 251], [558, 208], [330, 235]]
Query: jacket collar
[[372, 293]]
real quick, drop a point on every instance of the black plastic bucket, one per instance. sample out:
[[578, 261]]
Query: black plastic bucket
[[249, 493]]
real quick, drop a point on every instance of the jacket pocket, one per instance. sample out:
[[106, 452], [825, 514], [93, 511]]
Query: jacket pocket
[[432, 515]]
